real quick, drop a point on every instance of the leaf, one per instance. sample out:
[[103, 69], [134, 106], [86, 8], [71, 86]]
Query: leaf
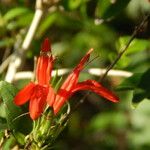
[[144, 82], [3, 123], [130, 83], [6, 42], [7, 93], [15, 12], [138, 96], [20, 137], [135, 46], [74, 4], [106, 9], [9, 143], [143, 89], [46, 23], [139, 83], [71, 4]]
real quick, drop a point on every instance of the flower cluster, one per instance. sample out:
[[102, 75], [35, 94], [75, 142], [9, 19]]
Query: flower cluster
[[41, 92]]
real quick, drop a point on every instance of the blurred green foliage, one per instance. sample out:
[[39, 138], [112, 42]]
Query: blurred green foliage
[[74, 26]]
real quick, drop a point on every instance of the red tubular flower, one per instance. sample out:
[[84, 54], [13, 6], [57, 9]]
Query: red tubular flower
[[39, 92], [71, 86]]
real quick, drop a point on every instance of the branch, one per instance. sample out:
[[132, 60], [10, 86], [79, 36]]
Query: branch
[[63, 71], [108, 70], [17, 57], [124, 49]]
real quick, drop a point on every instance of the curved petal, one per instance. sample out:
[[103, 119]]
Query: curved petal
[[51, 96], [60, 99], [72, 79], [69, 84], [38, 101], [41, 69], [24, 95], [79, 67], [44, 69], [49, 69], [36, 107], [97, 88]]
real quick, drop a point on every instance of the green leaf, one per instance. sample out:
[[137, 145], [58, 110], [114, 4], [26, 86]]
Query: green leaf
[[139, 83], [3, 123], [7, 93], [74, 4], [46, 23], [6, 42], [135, 46], [106, 9], [14, 122], [138, 96], [130, 83], [25, 19], [71, 4], [144, 82], [20, 137], [9, 143], [15, 12]]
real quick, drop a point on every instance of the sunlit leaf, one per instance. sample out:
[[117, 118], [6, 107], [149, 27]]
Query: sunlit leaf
[[71, 4], [20, 137], [135, 46], [15, 12], [9, 143]]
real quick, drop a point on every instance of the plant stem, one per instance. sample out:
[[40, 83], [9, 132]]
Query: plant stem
[[124, 49]]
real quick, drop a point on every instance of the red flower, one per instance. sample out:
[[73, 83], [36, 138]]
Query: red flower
[[39, 92], [71, 86]]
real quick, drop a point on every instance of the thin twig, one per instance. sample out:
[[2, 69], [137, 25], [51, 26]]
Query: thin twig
[[124, 49], [17, 57]]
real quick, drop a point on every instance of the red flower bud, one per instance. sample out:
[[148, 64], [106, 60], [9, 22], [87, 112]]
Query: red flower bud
[[46, 46]]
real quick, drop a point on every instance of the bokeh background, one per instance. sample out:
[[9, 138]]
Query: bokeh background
[[74, 26]]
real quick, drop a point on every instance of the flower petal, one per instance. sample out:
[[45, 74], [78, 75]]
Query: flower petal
[[72, 79], [36, 107], [24, 95], [50, 96], [79, 67], [46, 45], [44, 69], [48, 72], [60, 99], [38, 101], [97, 88], [69, 84]]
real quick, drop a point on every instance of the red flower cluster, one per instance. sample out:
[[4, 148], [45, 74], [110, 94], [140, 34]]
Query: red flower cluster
[[41, 93]]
